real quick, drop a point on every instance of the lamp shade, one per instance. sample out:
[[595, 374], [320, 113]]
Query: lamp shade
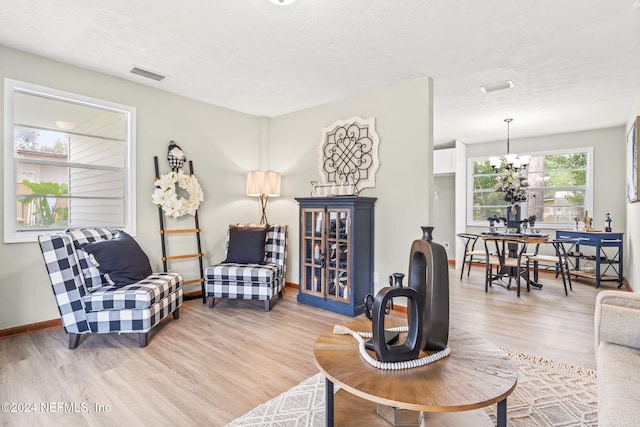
[[263, 182]]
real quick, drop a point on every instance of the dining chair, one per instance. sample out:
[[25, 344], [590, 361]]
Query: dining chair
[[470, 241], [506, 255], [560, 260]]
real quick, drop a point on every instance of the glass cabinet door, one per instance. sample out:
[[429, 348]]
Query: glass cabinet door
[[313, 251], [325, 253], [337, 250]]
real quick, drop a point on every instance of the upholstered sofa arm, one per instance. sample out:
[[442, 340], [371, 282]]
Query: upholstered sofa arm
[[617, 318]]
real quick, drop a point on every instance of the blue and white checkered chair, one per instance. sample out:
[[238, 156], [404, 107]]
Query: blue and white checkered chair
[[252, 281], [89, 304]]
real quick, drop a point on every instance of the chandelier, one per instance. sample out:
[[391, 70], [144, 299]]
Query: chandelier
[[511, 161]]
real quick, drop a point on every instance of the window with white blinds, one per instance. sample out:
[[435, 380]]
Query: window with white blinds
[[69, 162]]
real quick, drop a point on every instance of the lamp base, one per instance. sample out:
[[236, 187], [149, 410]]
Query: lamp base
[[264, 198]]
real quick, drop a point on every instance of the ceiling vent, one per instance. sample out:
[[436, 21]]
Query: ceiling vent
[[508, 84], [148, 74]]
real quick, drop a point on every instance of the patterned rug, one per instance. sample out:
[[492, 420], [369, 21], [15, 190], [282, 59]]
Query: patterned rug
[[547, 394]]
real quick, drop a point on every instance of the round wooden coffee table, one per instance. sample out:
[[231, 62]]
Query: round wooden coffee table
[[449, 392]]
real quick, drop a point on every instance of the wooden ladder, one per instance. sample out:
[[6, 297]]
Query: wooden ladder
[[163, 235]]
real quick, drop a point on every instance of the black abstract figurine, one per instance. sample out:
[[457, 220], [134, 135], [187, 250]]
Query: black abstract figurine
[[427, 297]]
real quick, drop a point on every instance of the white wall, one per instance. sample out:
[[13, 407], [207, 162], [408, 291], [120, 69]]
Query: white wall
[[632, 232], [404, 182], [223, 145], [443, 212]]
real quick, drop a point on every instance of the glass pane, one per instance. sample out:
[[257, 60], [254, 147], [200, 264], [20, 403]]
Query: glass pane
[[341, 281], [78, 182], [482, 213], [561, 214], [317, 221], [45, 113], [489, 198], [37, 178], [52, 146], [308, 279], [331, 282], [343, 225], [482, 167], [42, 212], [96, 212], [306, 223], [333, 224], [54, 129], [95, 151], [567, 161], [558, 206], [485, 182], [96, 183], [41, 144], [57, 196]]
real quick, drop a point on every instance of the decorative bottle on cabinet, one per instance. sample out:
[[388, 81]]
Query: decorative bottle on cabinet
[[336, 252]]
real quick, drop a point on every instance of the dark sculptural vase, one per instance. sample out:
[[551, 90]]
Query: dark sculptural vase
[[429, 275], [427, 297]]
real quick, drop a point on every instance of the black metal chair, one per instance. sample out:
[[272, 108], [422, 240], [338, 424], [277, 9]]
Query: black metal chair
[[470, 241], [560, 260], [506, 255]]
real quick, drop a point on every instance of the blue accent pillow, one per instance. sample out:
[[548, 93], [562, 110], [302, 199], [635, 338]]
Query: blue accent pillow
[[247, 244], [121, 259]]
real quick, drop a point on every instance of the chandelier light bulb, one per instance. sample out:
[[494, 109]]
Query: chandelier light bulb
[[512, 161]]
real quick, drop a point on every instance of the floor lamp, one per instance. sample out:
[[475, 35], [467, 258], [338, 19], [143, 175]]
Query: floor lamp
[[263, 184]]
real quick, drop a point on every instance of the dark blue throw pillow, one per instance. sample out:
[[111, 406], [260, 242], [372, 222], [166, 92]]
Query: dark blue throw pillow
[[121, 259], [246, 244]]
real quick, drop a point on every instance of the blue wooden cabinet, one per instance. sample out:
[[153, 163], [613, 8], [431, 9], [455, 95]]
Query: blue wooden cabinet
[[336, 252], [604, 263]]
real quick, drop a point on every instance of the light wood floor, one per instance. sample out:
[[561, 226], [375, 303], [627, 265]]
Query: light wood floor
[[213, 365]]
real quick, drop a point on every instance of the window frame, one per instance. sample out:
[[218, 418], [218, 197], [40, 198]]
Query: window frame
[[11, 87], [588, 201]]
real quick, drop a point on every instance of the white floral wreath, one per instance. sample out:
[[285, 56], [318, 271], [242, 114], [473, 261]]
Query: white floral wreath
[[166, 197]]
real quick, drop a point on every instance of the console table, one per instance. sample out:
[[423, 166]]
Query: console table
[[449, 392], [608, 257]]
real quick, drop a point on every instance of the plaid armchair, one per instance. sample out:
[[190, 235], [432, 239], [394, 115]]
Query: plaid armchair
[[88, 303], [251, 281]]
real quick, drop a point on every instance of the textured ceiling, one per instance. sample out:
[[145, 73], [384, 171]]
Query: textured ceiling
[[575, 63]]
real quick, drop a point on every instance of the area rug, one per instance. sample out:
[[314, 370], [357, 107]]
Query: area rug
[[547, 394]]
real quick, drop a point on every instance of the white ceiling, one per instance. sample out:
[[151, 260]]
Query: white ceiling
[[575, 63]]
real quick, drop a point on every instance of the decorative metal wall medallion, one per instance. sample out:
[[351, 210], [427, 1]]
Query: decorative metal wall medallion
[[349, 153]]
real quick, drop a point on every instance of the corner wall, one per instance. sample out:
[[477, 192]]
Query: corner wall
[[222, 143], [404, 182]]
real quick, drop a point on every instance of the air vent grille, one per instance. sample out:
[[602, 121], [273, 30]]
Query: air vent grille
[[148, 74], [508, 84]]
